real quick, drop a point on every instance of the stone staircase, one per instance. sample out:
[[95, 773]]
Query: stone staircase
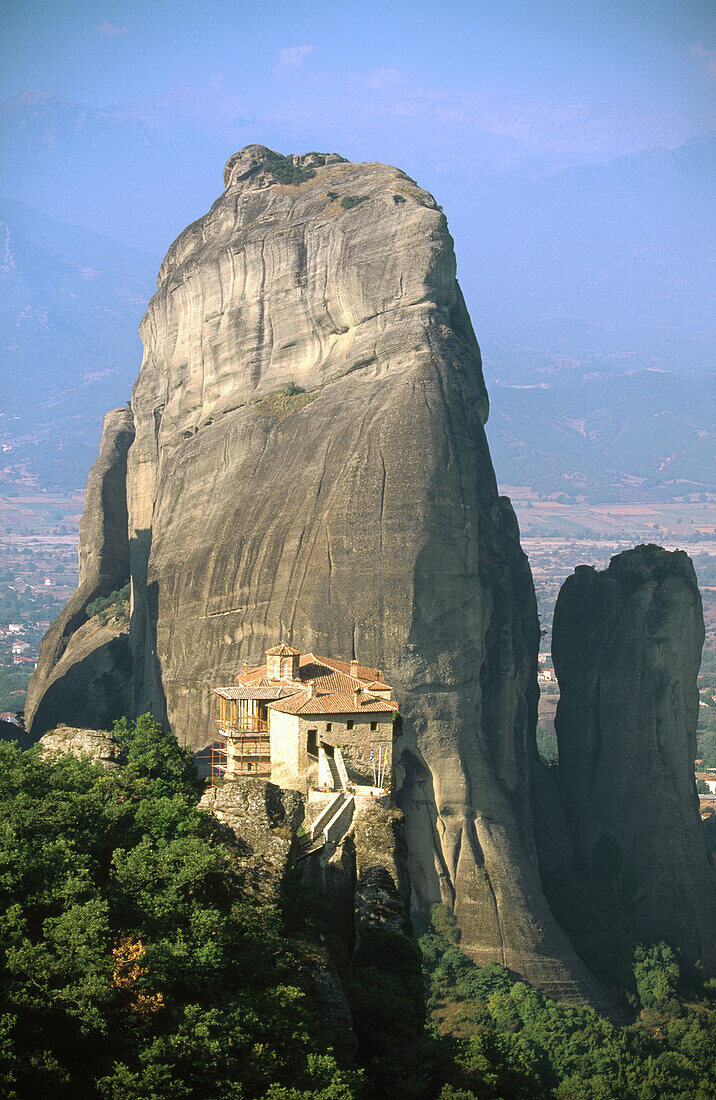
[[340, 768], [335, 774], [331, 825], [328, 770], [568, 991]]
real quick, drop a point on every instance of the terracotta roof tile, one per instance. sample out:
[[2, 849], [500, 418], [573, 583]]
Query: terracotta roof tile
[[282, 651], [329, 675], [363, 672], [334, 702]]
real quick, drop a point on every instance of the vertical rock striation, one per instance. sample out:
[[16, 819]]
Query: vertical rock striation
[[310, 465], [627, 648], [83, 674]]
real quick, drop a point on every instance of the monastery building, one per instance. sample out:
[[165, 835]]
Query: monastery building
[[307, 722]]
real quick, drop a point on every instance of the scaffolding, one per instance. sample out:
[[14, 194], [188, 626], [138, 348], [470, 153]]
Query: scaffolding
[[241, 743]]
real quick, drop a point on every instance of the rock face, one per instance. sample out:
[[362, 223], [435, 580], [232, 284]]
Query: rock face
[[357, 517], [382, 893], [627, 648], [101, 747], [83, 673], [260, 820]]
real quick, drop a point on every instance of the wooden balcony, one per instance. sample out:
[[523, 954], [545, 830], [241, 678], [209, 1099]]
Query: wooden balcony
[[243, 726]]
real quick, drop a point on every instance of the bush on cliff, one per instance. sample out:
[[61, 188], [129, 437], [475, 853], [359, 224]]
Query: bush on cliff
[[113, 606], [284, 401], [129, 965], [656, 972], [285, 171]]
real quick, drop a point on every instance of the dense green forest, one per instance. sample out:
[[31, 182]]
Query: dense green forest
[[133, 966]]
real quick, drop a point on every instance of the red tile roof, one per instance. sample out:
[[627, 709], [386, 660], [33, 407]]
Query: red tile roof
[[334, 702], [274, 690], [329, 674], [334, 684]]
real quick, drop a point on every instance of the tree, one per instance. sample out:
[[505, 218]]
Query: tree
[[130, 963], [656, 972]]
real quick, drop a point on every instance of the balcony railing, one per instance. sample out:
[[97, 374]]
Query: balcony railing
[[237, 727]]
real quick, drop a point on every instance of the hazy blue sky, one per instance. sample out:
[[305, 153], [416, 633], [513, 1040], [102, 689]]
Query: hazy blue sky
[[566, 141], [660, 54], [539, 125]]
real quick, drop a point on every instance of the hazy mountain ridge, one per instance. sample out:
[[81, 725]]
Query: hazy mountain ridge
[[71, 304], [553, 304], [642, 435]]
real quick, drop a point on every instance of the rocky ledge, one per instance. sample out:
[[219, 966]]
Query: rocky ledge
[[99, 746]]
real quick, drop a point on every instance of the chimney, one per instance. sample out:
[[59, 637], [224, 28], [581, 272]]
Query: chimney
[[357, 696], [354, 667], [246, 666], [311, 689]]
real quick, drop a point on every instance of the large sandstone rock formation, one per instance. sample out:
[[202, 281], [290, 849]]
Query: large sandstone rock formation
[[357, 517], [627, 647], [83, 673]]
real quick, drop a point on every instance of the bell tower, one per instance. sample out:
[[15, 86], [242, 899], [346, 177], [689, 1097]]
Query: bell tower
[[282, 663]]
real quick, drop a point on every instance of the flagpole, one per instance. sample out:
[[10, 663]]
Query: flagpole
[[372, 760]]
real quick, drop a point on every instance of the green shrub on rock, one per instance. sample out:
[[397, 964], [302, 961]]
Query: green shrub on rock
[[114, 606], [348, 202], [656, 970], [130, 965]]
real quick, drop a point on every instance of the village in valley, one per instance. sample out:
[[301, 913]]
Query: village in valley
[[38, 574]]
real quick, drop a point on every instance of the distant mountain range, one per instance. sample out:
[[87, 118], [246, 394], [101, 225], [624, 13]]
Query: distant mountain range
[[589, 281], [621, 251], [646, 435], [136, 173], [70, 304]]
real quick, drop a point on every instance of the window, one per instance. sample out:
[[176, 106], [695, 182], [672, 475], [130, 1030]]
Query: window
[[312, 743], [329, 727], [350, 724], [374, 726]]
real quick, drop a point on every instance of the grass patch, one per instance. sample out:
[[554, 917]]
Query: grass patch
[[289, 399], [398, 198], [547, 746]]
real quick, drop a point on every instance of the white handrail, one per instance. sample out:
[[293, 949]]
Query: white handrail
[[342, 773], [325, 815], [331, 830]]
